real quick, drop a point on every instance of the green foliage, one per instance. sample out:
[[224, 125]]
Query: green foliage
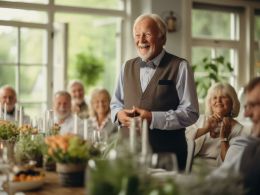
[[8, 131], [215, 70], [89, 68], [70, 149], [29, 147], [125, 176], [113, 177]]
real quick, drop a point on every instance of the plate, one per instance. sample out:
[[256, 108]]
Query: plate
[[26, 185]]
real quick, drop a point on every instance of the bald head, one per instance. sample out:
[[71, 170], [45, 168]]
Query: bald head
[[8, 97]]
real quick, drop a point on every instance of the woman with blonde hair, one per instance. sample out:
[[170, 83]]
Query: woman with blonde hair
[[99, 120], [214, 130]]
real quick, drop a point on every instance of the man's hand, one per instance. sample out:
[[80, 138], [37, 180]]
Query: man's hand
[[143, 114], [124, 117]]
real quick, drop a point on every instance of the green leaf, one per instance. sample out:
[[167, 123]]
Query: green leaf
[[205, 60], [213, 67], [89, 68], [229, 67], [214, 77]]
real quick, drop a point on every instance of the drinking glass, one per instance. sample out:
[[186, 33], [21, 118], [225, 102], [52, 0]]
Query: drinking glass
[[163, 161], [100, 138]]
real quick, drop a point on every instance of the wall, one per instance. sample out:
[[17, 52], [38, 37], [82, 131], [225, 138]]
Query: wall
[[162, 7], [136, 7]]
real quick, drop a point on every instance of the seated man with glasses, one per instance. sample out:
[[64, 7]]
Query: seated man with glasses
[[243, 155]]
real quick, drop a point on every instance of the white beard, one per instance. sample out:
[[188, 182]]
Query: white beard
[[61, 117], [77, 101]]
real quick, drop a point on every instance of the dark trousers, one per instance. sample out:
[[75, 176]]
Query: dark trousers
[[170, 141]]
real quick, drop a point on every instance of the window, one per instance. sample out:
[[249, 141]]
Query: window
[[107, 4], [22, 15], [95, 36], [215, 33], [39, 45], [29, 1], [23, 64]]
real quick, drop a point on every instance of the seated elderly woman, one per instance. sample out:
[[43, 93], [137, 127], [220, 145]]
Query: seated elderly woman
[[213, 131], [99, 119]]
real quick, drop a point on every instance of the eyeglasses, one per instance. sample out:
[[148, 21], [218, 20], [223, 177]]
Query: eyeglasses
[[251, 105]]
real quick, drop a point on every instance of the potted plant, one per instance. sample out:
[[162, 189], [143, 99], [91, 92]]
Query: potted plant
[[8, 136], [29, 147], [214, 70], [124, 175], [89, 68], [70, 152], [8, 131]]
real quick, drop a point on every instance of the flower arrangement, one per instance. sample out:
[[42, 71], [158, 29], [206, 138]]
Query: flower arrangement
[[27, 129], [8, 131], [124, 175], [29, 147], [70, 148], [55, 129]]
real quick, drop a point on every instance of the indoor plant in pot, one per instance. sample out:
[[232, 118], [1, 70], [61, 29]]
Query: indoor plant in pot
[[71, 153], [29, 147], [9, 134]]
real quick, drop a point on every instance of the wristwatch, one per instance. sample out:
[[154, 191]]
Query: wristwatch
[[224, 139]]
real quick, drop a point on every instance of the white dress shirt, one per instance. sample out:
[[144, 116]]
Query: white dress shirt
[[186, 113], [11, 117], [68, 125]]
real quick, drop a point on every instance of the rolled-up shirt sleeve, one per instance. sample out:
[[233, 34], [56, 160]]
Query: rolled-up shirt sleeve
[[117, 101], [187, 112]]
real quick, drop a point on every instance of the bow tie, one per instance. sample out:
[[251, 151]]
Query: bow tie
[[149, 64]]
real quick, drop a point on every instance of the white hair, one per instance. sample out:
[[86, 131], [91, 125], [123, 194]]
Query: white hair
[[74, 82], [161, 25]]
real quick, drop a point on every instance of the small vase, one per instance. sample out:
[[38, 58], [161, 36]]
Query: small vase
[[49, 164], [9, 145], [71, 174]]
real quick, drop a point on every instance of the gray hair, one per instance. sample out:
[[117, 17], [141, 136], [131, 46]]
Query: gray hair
[[62, 93], [8, 87], [74, 82], [225, 89], [161, 25]]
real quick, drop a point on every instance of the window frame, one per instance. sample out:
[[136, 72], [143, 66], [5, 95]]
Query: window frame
[[51, 8], [245, 61]]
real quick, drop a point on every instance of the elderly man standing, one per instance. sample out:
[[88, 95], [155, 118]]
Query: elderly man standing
[[63, 115], [79, 105], [8, 97], [158, 87]]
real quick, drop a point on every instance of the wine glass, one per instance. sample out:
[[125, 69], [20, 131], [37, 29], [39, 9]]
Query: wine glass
[[100, 138], [161, 162]]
